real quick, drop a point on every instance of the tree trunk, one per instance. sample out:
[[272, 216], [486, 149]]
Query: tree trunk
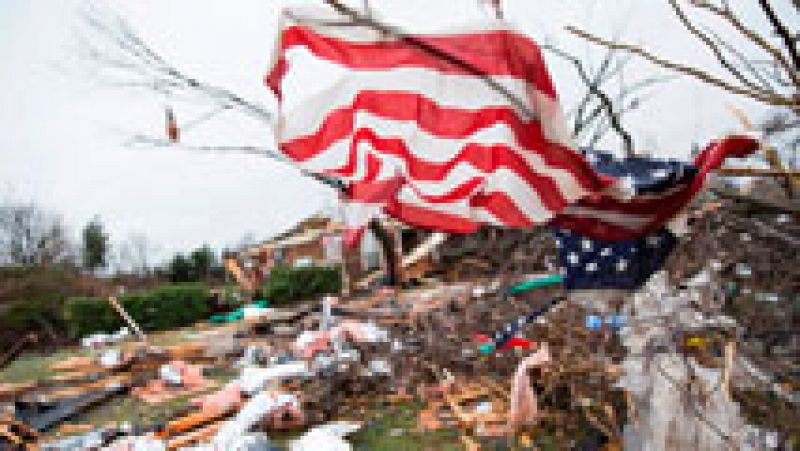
[[386, 241]]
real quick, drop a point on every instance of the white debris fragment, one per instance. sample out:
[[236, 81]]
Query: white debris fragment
[[256, 441], [483, 407], [101, 339], [380, 367], [258, 407], [743, 270], [170, 374], [254, 379], [326, 437], [111, 357]]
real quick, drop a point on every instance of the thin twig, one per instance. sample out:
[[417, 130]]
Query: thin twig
[[727, 14], [711, 45], [608, 105], [789, 42], [745, 61], [772, 99]]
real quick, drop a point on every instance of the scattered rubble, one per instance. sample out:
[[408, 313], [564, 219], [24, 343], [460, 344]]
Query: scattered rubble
[[571, 371]]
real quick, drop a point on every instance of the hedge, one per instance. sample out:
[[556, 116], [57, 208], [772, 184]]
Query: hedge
[[161, 308], [290, 284]]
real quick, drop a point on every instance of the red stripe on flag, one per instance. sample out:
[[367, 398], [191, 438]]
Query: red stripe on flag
[[479, 50], [446, 123], [485, 158], [427, 218], [503, 208]]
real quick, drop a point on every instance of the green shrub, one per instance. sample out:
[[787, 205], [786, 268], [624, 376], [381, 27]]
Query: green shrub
[[161, 308], [291, 284], [21, 317]]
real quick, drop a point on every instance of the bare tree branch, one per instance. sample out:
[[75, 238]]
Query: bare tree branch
[[771, 99], [788, 41], [135, 56], [599, 77], [727, 14], [608, 105], [744, 61], [687, 23]]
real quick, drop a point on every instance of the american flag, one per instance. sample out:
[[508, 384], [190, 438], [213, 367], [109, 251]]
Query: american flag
[[502, 338], [622, 264], [465, 153], [650, 192], [443, 131], [589, 263]]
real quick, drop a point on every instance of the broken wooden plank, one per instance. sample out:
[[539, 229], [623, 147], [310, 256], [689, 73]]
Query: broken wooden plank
[[44, 419], [195, 420], [756, 172], [202, 435], [127, 318]]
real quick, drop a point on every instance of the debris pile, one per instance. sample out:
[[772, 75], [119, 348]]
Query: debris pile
[[507, 359]]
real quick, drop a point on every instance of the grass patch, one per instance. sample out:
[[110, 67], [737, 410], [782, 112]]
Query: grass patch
[[394, 428], [125, 408], [34, 366]]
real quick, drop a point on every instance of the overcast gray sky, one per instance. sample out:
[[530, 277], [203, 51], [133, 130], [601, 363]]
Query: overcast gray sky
[[62, 134]]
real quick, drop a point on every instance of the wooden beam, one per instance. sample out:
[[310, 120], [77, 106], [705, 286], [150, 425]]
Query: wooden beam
[[125, 316], [759, 204], [756, 172]]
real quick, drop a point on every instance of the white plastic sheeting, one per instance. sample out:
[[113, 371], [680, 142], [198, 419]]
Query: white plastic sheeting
[[258, 407], [256, 441], [326, 437], [669, 412]]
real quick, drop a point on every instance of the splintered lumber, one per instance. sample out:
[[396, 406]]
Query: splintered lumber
[[127, 318], [9, 391], [75, 428], [416, 254], [67, 408], [202, 435], [437, 416], [12, 437], [76, 363], [758, 204], [71, 392], [71, 377], [606, 429], [195, 420], [17, 431], [493, 423], [186, 351], [245, 282], [756, 172]]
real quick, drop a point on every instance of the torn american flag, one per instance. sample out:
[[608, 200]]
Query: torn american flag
[[589, 263], [444, 131]]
